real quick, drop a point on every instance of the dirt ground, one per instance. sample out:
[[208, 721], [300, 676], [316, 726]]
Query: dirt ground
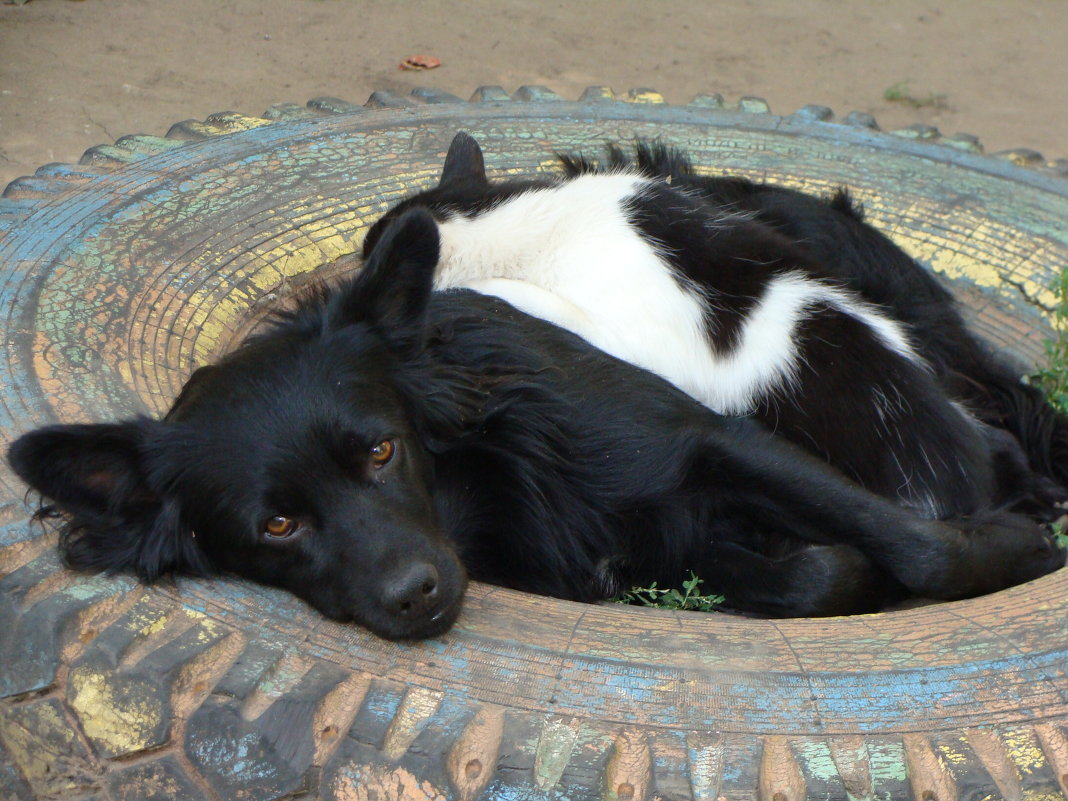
[[76, 74]]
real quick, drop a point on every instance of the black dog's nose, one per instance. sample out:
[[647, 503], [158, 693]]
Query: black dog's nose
[[413, 591]]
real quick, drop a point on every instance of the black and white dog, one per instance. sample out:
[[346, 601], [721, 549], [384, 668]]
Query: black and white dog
[[759, 301]]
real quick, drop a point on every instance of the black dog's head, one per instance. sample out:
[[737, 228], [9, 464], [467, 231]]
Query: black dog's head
[[294, 461]]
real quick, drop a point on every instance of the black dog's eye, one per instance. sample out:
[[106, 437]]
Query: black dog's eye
[[279, 527], [383, 452]]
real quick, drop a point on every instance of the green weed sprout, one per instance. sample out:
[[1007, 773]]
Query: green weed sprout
[[688, 598]]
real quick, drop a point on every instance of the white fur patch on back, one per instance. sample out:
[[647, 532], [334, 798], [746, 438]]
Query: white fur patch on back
[[568, 254]]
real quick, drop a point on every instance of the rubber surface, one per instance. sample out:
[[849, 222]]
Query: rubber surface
[[119, 275]]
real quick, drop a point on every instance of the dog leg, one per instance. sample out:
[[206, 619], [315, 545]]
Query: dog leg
[[814, 581], [803, 498]]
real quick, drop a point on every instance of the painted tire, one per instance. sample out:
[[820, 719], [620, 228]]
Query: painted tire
[[121, 274]]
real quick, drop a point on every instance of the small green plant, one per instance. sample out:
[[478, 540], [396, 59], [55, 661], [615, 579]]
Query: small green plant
[[1053, 379], [899, 93], [688, 598], [1060, 535]]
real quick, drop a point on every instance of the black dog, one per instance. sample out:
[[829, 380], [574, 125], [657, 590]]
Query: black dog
[[760, 301], [384, 441]]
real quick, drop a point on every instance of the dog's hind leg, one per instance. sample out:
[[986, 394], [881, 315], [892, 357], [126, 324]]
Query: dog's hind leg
[[812, 581], [786, 491]]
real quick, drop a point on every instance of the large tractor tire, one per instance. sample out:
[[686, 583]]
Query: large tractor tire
[[120, 275]]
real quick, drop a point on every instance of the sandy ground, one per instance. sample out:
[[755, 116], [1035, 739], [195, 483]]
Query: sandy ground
[[75, 74]]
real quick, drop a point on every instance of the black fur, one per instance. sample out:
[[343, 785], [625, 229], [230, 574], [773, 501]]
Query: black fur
[[520, 456]]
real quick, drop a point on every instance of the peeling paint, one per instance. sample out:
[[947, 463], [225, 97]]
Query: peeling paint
[[117, 713], [355, 782], [418, 706], [553, 752], [817, 758], [47, 751], [887, 762], [1024, 750]]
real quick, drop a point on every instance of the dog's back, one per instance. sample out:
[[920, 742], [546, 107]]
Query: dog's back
[[841, 247]]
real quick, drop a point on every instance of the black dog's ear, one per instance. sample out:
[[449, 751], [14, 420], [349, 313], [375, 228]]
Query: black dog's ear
[[85, 469], [117, 521], [464, 161], [392, 290]]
